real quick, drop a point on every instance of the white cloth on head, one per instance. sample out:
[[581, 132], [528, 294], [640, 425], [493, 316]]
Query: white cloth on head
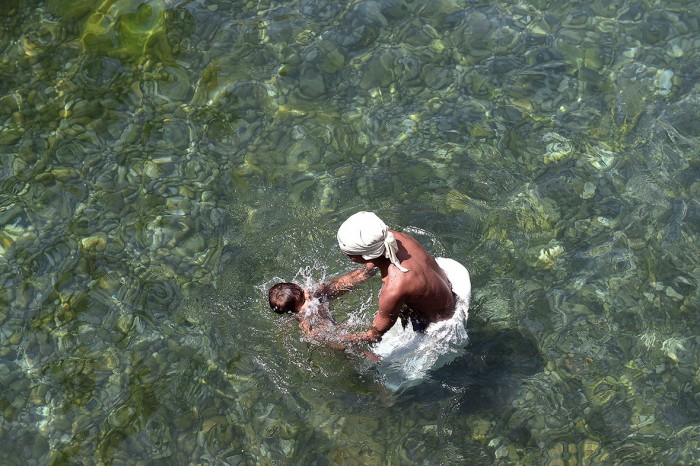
[[364, 234]]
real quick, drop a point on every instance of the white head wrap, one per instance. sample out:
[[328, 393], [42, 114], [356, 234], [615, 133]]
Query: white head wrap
[[364, 234]]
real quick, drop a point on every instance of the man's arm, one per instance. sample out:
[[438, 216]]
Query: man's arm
[[346, 282], [390, 302], [370, 336], [326, 334], [333, 343]]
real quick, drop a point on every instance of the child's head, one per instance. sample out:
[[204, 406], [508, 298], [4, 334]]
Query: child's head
[[286, 297]]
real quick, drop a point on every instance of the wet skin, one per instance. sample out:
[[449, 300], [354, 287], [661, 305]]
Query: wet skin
[[425, 288], [317, 324]]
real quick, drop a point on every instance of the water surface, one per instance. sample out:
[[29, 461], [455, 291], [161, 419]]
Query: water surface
[[161, 161]]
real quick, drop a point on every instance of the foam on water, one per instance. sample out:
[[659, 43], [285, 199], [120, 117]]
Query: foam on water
[[407, 356]]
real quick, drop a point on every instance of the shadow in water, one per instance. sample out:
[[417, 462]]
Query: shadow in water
[[465, 397], [488, 375]]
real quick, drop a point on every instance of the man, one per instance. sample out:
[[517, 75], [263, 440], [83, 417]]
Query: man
[[414, 286]]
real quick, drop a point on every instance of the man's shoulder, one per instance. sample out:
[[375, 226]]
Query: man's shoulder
[[409, 242], [404, 283]]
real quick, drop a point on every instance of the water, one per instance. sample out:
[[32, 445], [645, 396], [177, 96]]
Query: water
[[162, 160]]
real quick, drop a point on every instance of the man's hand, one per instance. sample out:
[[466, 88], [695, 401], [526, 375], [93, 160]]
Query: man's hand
[[370, 336]]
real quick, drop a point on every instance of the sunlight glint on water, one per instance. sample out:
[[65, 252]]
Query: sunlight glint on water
[[160, 161]]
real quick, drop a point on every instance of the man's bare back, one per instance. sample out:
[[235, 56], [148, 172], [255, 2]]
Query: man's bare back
[[425, 289]]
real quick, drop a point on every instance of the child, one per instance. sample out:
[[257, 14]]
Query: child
[[312, 310]]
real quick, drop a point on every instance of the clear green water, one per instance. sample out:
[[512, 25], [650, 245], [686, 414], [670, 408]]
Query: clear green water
[[161, 161]]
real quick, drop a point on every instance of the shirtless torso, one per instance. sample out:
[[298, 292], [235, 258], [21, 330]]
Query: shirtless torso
[[314, 317], [316, 323], [423, 294]]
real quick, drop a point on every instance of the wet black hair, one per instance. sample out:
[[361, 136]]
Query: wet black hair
[[285, 297]]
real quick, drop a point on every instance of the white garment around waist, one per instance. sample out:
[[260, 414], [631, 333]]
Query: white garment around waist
[[408, 355]]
